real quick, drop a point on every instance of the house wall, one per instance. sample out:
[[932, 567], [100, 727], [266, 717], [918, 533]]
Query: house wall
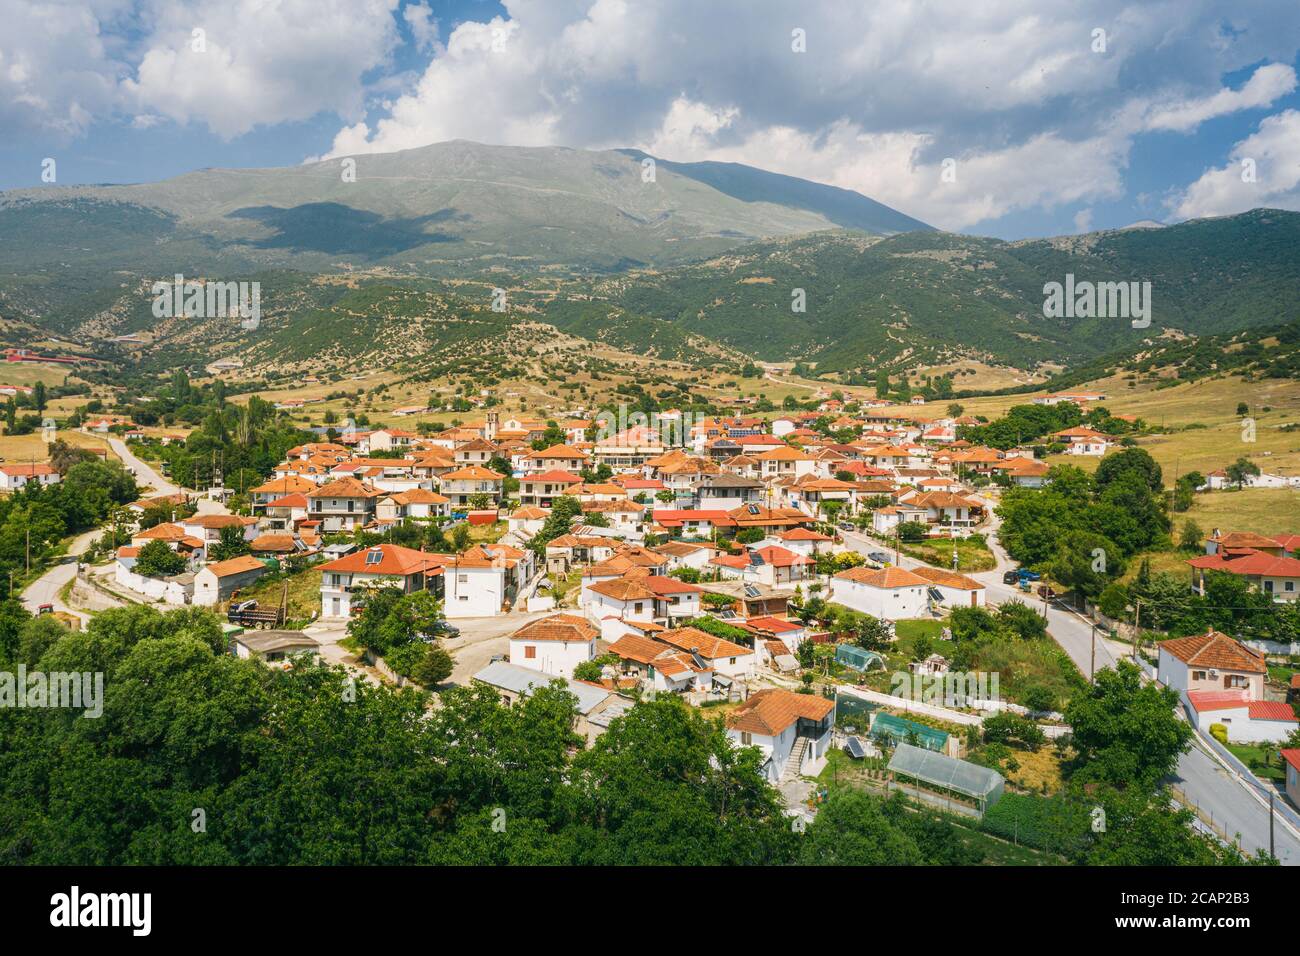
[[1241, 729], [210, 590], [1172, 672], [1293, 784], [552, 657], [888, 604], [474, 592]]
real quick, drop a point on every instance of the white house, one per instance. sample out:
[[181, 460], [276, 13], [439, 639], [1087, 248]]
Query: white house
[[384, 565], [554, 645], [215, 582], [485, 579], [1246, 720], [13, 477], [1210, 662], [953, 590], [722, 656], [792, 730], [890, 594], [885, 520]]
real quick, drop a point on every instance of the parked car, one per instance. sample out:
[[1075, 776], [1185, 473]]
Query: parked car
[[1011, 577], [45, 609], [879, 557], [845, 526]]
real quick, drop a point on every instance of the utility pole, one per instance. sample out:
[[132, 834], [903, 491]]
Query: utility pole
[[1092, 664], [1137, 627], [1271, 798]]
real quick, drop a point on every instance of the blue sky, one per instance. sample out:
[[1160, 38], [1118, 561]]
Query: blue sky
[[1010, 118]]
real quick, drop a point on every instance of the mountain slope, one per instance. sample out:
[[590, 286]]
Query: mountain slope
[[449, 209]]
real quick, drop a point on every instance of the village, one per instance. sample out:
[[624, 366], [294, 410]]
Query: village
[[753, 567]]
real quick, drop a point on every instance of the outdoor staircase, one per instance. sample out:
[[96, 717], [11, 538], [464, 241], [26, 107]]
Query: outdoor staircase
[[795, 763]]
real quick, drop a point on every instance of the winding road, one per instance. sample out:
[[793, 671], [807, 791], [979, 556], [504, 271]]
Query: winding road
[[1216, 790]]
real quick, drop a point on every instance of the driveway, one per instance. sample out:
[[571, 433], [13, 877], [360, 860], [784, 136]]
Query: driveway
[[480, 639]]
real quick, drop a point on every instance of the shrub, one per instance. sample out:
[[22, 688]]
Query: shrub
[[1219, 732]]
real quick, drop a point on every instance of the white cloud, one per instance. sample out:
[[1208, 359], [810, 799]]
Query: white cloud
[[1263, 89], [1264, 171], [261, 63], [424, 28], [1010, 88]]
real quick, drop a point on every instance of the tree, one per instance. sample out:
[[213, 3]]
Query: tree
[[1125, 732], [1191, 536], [230, 543], [853, 829], [1240, 470], [912, 532], [433, 668], [1135, 460], [156, 560]]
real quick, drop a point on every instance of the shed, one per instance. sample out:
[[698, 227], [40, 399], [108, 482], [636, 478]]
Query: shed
[[897, 731], [857, 658], [962, 777]]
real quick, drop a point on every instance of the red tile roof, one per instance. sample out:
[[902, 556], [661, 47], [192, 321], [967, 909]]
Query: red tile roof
[[1272, 710]]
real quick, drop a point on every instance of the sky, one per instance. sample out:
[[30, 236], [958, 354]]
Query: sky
[[1009, 118]]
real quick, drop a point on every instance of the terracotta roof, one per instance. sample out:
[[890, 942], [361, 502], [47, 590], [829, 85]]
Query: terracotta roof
[[948, 578], [885, 578], [803, 534], [471, 473], [1292, 756], [702, 643], [558, 627], [1215, 650], [529, 513], [239, 565], [554, 477], [1272, 710], [1207, 700], [623, 589], [394, 559], [27, 471], [633, 647], [345, 488], [1250, 562], [774, 624], [769, 712]]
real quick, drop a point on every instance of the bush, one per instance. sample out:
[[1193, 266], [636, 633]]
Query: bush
[[1219, 732], [1040, 698], [1013, 729]]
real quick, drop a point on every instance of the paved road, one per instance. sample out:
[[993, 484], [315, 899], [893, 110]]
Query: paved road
[[145, 475], [45, 589], [1221, 794]]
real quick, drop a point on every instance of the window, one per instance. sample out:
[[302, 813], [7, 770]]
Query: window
[[1235, 680], [746, 738], [530, 652], [1198, 675]]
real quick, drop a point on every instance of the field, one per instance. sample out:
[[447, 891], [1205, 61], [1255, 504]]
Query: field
[[1215, 438], [23, 449], [1262, 510]]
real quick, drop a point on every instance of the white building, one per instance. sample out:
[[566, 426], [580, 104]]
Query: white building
[[792, 730], [1246, 720], [554, 645], [215, 582], [890, 594], [14, 477]]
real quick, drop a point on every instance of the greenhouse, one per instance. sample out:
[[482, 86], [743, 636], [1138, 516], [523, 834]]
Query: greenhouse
[[981, 784], [894, 731], [857, 658]]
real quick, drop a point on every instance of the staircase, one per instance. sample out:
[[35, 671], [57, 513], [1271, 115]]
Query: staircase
[[795, 763]]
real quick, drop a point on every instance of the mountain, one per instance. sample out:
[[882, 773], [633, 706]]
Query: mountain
[[450, 209], [925, 298], [700, 266]]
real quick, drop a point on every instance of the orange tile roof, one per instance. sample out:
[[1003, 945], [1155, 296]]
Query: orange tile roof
[[1216, 650], [948, 578], [557, 627], [885, 578], [345, 488], [239, 565], [394, 560], [769, 712]]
